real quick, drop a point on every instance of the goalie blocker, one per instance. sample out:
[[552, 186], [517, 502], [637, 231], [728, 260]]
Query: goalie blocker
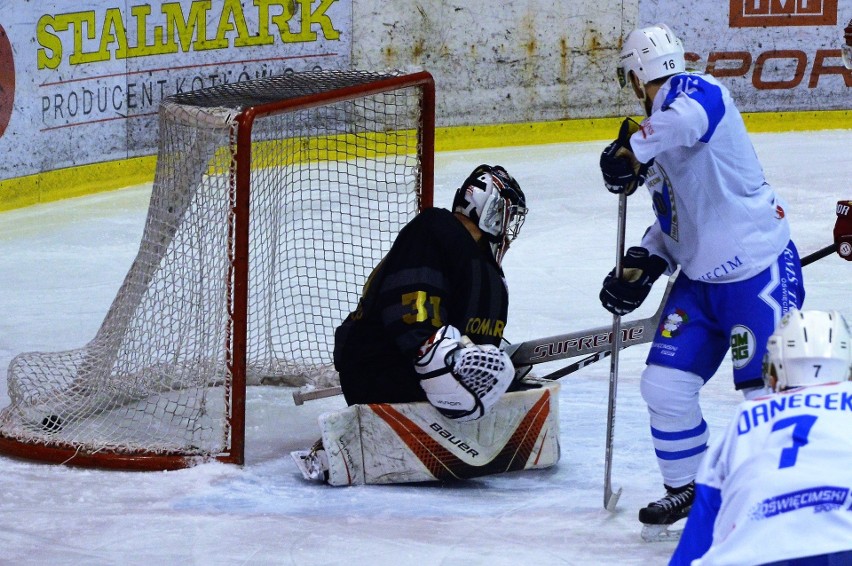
[[413, 442]]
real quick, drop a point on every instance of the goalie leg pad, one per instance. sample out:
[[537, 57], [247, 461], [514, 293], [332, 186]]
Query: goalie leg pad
[[413, 442]]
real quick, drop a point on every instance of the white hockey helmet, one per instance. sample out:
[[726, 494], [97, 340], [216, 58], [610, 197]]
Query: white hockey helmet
[[808, 348], [650, 53], [495, 202]]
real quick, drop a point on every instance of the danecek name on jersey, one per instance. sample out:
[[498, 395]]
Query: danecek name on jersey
[[779, 485]]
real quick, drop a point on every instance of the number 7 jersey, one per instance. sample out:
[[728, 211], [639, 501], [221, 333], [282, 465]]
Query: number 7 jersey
[[779, 485]]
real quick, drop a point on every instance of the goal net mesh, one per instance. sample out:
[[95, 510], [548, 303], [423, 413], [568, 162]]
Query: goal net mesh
[[331, 184]]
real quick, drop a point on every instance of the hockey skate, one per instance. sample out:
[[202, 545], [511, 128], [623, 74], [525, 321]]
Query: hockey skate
[[312, 463], [659, 516]]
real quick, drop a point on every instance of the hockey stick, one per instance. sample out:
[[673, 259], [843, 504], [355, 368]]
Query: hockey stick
[[610, 496], [573, 344], [580, 364], [596, 342], [819, 254], [299, 397], [598, 339]]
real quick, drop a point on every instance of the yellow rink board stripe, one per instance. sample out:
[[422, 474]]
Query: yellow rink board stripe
[[88, 179]]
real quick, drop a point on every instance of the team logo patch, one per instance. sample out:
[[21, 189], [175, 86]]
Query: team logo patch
[[673, 323], [742, 346]]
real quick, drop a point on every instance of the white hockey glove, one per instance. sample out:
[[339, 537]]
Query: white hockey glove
[[462, 380]]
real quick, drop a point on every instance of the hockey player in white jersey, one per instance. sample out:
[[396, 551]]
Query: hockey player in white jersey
[[722, 223], [778, 488]]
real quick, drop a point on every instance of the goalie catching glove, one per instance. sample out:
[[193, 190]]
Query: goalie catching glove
[[622, 172], [843, 229], [623, 295], [462, 380]]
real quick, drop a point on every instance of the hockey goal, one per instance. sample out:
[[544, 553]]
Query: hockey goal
[[273, 200]]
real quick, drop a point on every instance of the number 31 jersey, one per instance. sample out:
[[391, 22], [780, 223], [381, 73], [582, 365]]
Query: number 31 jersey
[[434, 274]]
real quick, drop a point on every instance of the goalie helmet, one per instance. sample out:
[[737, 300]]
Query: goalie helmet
[[650, 53], [808, 348], [495, 202]]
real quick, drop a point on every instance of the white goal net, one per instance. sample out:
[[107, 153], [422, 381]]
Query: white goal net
[[272, 201]]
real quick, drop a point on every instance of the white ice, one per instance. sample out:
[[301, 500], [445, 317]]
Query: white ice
[[61, 264]]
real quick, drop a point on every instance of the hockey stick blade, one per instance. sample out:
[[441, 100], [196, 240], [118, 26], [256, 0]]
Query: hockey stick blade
[[611, 499]]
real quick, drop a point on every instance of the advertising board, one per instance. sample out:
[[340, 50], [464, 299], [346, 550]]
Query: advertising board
[[774, 55], [81, 83]]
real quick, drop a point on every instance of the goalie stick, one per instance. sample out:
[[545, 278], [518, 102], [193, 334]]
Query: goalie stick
[[598, 339], [595, 342]]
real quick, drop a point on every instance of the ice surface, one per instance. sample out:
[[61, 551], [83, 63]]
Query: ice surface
[[61, 264]]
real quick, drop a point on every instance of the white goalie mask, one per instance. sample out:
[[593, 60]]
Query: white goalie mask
[[650, 53], [808, 348], [495, 202]]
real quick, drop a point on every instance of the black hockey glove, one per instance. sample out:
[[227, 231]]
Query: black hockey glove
[[622, 172], [640, 269]]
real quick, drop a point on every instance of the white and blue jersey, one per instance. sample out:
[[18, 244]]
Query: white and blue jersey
[[778, 487], [720, 220], [717, 217]]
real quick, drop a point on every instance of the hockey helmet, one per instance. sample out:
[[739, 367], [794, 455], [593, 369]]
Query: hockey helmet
[[808, 348], [650, 53], [495, 202]]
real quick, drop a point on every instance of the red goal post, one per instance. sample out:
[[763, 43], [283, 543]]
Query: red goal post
[[272, 202]]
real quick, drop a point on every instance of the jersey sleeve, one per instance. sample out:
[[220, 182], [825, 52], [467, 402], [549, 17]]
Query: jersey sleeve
[[691, 109], [653, 242], [698, 533]]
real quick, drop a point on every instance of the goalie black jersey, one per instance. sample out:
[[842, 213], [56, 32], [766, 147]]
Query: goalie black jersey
[[435, 274]]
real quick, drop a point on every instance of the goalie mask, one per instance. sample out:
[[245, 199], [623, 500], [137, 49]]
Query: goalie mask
[[808, 348], [495, 202], [650, 53]]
